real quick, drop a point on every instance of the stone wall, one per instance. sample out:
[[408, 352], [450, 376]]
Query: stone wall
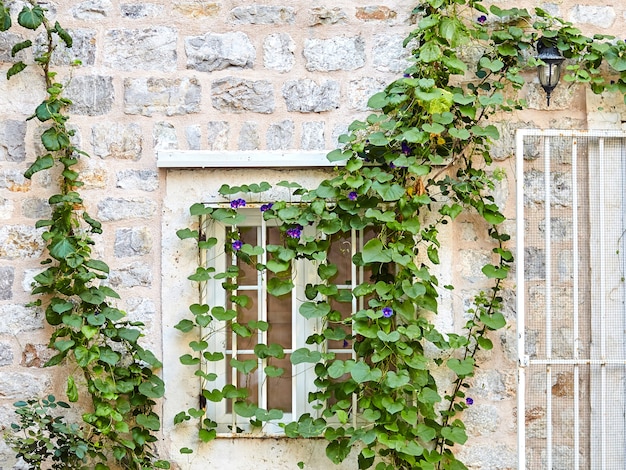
[[200, 75]]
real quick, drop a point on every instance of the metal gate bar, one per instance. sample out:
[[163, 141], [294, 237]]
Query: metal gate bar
[[576, 361]]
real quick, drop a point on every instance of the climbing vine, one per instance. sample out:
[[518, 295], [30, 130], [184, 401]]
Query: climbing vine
[[107, 368], [415, 165]]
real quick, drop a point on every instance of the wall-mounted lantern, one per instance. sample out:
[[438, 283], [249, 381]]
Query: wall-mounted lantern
[[550, 72]]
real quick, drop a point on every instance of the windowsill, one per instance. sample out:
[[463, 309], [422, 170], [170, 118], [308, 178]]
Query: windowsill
[[244, 159]]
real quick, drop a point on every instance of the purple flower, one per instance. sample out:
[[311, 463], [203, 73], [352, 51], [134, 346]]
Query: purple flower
[[345, 343], [482, 19], [406, 149], [352, 195], [407, 75], [294, 232], [266, 207], [392, 165], [237, 244], [387, 312], [237, 203], [469, 401]]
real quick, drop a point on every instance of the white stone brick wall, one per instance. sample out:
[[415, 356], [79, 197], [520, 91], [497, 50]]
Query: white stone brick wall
[[185, 74]]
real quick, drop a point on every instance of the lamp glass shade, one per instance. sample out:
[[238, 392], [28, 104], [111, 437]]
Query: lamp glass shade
[[549, 74]]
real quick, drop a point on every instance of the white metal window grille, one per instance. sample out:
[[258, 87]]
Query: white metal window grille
[[287, 327], [571, 310]]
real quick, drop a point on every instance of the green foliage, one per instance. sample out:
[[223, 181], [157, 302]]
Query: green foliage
[[416, 164], [110, 368]]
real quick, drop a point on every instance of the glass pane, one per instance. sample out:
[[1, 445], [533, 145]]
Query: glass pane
[[279, 316], [345, 309], [279, 388], [248, 275], [249, 381], [340, 254], [245, 315]]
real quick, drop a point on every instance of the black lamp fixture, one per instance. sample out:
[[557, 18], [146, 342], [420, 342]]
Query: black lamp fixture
[[550, 71]]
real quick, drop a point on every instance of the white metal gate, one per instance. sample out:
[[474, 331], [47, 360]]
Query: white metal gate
[[571, 249]]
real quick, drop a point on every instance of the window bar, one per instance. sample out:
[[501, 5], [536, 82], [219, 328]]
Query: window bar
[[262, 315], [354, 281], [576, 333], [603, 294], [622, 259], [548, 301], [234, 372], [203, 285]]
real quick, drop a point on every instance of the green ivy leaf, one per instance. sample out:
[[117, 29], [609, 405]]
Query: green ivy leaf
[[278, 287], [375, 252], [462, 368], [5, 18], [455, 434], [15, 69], [245, 409], [20, 45], [150, 421], [31, 18], [314, 309], [303, 355]]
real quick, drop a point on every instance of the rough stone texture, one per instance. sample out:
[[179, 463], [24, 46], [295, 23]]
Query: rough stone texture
[[249, 138], [6, 355], [91, 95], [504, 147], [600, 16], [23, 93], [326, 16], [92, 10], [12, 141], [14, 181], [263, 14], [219, 51], [146, 49], [306, 96], [238, 95], [123, 209], [16, 319], [16, 385], [313, 135], [278, 52], [560, 228], [141, 10], [471, 264], [20, 242], [360, 91], [134, 275], [83, 48], [6, 208], [164, 136], [534, 263], [560, 188], [36, 355], [161, 95], [116, 140], [481, 419], [375, 13], [388, 55], [143, 180], [7, 276], [140, 309], [338, 53], [36, 208], [218, 135], [489, 457], [280, 135], [132, 242], [193, 135], [195, 9], [7, 40]]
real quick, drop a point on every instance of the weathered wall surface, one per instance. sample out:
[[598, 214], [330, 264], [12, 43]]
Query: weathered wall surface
[[228, 75]]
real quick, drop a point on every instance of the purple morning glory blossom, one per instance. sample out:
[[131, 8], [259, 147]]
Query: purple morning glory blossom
[[352, 195], [469, 401], [295, 232], [237, 244], [482, 19], [266, 207], [387, 312], [406, 149], [237, 203]]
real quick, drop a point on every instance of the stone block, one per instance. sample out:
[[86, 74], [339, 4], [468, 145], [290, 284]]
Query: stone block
[[20, 242], [92, 10], [132, 242], [36, 208], [14, 181], [147, 96], [164, 136], [560, 188], [36, 355], [360, 91], [238, 95], [249, 138], [111, 209], [7, 276], [15, 319], [278, 52], [143, 180], [193, 135], [6, 354], [263, 14], [494, 456], [600, 16], [326, 16], [12, 141], [92, 95], [23, 93], [7, 207], [338, 53], [481, 419], [534, 263], [83, 48], [313, 136], [146, 49], [280, 135], [306, 96], [375, 13], [140, 309], [218, 135], [7, 41], [18, 385], [195, 9], [219, 51], [116, 140], [471, 263], [388, 54], [136, 11], [134, 275]]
